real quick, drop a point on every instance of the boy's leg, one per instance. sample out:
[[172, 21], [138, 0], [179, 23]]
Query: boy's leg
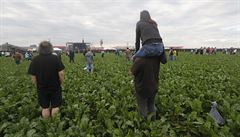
[[45, 112], [88, 68], [54, 111], [44, 102], [56, 102], [91, 67]]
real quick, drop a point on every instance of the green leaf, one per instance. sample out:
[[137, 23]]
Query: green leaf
[[31, 132], [196, 105]]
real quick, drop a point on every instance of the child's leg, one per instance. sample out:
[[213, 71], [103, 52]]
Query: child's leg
[[88, 67], [91, 66]]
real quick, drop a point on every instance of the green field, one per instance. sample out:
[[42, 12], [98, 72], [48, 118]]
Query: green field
[[103, 103]]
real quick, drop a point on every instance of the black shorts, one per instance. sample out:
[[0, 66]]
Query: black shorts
[[50, 98]]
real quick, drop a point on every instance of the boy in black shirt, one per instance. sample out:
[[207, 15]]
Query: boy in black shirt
[[47, 73]]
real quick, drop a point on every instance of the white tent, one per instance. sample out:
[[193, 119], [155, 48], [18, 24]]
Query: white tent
[[57, 49], [110, 49]]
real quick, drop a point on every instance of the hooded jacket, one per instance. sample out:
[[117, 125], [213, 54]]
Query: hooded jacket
[[146, 29]]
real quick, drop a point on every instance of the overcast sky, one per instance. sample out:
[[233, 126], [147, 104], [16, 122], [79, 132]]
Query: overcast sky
[[188, 23]]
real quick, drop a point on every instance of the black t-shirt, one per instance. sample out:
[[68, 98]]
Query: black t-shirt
[[46, 68]]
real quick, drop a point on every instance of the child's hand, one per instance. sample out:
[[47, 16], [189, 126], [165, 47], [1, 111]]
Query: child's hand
[[129, 72], [133, 58], [132, 81]]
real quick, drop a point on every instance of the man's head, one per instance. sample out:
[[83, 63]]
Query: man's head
[[45, 47]]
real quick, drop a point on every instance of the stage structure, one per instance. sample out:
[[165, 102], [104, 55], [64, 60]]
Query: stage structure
[[78, 46]]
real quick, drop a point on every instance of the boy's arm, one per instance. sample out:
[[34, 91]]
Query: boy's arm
[[34, 80], [61, 76]]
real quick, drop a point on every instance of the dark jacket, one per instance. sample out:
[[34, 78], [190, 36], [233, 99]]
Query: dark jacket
[[146, 75], [146, 29]]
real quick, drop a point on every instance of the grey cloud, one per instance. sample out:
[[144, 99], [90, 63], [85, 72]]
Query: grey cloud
[[183, 22]]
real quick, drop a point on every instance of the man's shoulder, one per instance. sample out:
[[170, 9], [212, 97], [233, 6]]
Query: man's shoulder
[[36, 58], [47, 57]]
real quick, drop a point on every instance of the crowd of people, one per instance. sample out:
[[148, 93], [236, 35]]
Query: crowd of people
[[18, 56], [205, 51], [213, 51], [231, 51]]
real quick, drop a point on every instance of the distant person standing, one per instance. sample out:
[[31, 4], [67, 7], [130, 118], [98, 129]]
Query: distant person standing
[[146, 69], [89, 59], [171, 54], [201, 51], [26, 55], [71, 56], [204, 51], [174, 54], [102, 53], [30, 55], [208, 51], [17, 57], [128, 54], [47, 73], [117, 52], [215, 50]]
